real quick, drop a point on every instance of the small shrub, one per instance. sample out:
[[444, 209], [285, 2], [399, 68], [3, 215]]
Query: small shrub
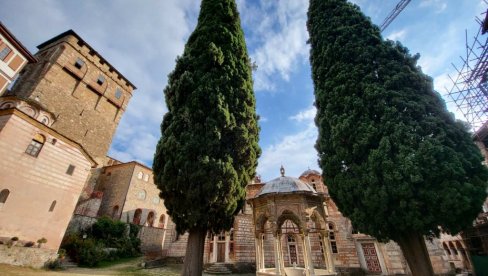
[[61, 253], [29, 244], [14, 239], [41, 241], [91, 253], [53, 265]]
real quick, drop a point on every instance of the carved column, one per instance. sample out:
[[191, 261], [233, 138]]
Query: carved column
[[258, 240], [277, 253], [282, 262], [227, 247], [308, 249], [214, 253]]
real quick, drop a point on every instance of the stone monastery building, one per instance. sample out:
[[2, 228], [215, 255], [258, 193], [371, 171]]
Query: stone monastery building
[[56, 126]]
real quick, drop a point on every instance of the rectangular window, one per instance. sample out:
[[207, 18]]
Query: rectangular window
[[118, 93], [70, 170], [5, 52], [79, 63], [100, 80], [34, 148], [333, 246]]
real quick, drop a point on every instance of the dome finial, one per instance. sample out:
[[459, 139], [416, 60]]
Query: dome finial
[[282, 171]]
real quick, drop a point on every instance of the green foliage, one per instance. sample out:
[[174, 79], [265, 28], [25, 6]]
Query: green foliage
[[90, 253], [105, 233], [108, 230], [394, 159], [209, 146], [53, 265]]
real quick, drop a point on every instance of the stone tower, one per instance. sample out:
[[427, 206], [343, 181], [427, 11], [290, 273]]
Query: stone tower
[[86, 95]]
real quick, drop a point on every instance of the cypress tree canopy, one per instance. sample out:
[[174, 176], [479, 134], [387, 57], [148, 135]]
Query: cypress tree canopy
[[394, 159], [209, 146]]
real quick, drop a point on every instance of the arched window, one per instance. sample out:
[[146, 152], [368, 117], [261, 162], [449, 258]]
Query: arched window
[[446, 248], [3, 196], [146, 177], [150, 219], [332, 238], [115, 211], [53, 204], [162, 219], [137, 216], [140, 175], [35, 145], [453, 249]]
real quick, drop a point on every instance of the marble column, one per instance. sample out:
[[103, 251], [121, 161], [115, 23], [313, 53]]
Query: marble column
[[259, 260], [227, 247], [308, 249], [282, 261], [305, 254], [214, 253], [277, 254]]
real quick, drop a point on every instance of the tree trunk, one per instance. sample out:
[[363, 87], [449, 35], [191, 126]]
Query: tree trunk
[[193, 264], [415, 251]]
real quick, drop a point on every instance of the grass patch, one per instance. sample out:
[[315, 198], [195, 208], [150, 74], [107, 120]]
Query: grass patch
[[128, 260]]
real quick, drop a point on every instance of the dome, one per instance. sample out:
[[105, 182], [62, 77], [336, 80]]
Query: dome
[[309, 171], [285, 185]]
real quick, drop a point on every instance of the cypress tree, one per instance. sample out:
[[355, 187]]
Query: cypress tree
[[209, 146], [395, 161]]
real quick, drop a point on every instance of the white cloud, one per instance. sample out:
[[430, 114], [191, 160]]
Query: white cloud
[[296, 151], [280, 30], [397, 35], [438, 5], [307, 115]]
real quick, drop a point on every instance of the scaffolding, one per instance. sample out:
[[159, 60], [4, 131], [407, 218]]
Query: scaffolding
[[469, 90]]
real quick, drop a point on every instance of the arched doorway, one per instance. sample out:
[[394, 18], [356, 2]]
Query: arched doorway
[[150, 219], [137, 217]]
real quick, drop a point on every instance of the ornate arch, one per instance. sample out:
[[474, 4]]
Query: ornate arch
[[289, 215]]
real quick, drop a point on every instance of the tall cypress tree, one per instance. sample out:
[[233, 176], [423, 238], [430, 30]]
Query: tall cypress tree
[[395, 161], [209, 146]]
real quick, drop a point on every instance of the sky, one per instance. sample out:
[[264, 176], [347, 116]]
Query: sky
[[142, 39]]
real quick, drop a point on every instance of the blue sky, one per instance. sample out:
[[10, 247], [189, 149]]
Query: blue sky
[[142, 39]]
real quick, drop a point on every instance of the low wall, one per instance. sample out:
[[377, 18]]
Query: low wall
[[151, 239], [26, 256]]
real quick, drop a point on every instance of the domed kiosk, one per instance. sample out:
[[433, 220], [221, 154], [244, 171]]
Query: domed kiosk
[[288, 211]]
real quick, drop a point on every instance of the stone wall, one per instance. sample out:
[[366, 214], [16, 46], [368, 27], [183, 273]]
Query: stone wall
[[79, 223], [244, 244], [152, 240], [26, 256]]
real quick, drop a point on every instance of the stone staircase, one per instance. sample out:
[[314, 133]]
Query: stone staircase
[[217, 269], [68, 263]]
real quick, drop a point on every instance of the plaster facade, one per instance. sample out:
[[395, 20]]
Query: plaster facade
[[39, 187]]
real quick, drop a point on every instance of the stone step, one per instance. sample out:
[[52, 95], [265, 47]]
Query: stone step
[[218, 269]]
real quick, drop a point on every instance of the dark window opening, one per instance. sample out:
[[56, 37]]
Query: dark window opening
[[70, 170], [53, 204], [79, 63], [118, 93], [100, 80], [3, 196]]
